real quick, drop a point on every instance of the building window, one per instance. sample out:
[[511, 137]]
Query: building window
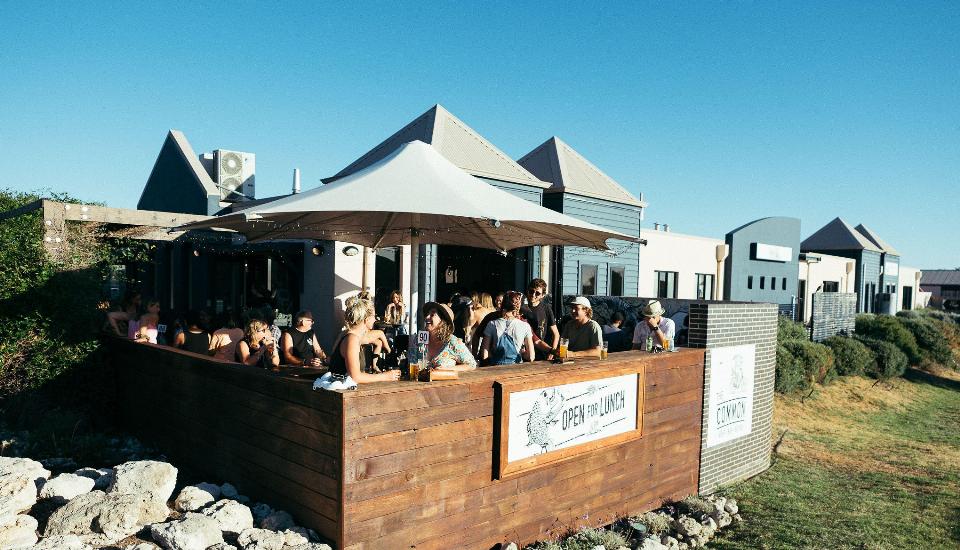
[[666, 284], [784, 286], [773, 283], [588, 280], [763, 282], [616, 281], [704, 286], [831, 286], [749, 282]]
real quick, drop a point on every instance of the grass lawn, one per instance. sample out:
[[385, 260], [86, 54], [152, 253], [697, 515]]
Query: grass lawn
[[860, 466]]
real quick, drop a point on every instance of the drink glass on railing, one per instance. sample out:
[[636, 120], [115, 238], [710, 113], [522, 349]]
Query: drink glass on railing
[[604, 349], [562, 349]]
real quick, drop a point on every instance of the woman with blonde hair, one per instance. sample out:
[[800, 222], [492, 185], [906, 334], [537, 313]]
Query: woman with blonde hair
[[258, 349], [393, 313], [345, 359], [480, 307]]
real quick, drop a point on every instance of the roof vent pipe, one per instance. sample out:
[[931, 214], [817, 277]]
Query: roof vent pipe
[[296, 181], [656, 227], [666, 228]]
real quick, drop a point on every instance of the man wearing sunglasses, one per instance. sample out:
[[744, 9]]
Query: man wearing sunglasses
[[540, 317]]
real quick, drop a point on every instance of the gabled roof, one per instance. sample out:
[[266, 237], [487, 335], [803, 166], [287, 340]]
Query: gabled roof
[[940, 277], [456, 141], [177, 163], [872, 237], [556, 162], [837, 235]]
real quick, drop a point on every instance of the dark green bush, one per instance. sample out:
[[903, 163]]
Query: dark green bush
[[890, 361], [815, 360], [888, 329], [789, 373], [788, 329], [932, 342], [850, 355]]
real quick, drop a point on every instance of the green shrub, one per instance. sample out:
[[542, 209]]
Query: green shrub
[[890, 361], [931, 341], [851, 357], [789, 374], [888, 329], [908, 314], [815, 360], [788, 329]]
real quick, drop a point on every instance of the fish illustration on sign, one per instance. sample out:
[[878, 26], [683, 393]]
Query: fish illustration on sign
[[544, 412]]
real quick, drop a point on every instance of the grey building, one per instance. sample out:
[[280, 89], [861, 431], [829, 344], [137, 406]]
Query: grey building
[[877, 263], [580, 189], [944, 287], [762, 262]]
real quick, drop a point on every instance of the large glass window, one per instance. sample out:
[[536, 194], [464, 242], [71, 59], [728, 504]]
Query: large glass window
[[666, 284], [616, 280], [588, 280], [831, 286], [704, 286]]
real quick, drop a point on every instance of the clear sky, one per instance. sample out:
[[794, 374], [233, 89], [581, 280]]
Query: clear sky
[[719, 113]]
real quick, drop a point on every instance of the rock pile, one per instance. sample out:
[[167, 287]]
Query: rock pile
[[127, 507]]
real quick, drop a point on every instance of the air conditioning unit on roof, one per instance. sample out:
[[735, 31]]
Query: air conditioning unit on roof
[[235, 175]]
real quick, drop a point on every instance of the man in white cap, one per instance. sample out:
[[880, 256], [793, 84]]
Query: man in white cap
[[584, 334], [656, 325]]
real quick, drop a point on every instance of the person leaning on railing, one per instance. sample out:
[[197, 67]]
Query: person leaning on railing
[[258, 349], [345, 356], [444, 350], [583, 333], [299, 344]]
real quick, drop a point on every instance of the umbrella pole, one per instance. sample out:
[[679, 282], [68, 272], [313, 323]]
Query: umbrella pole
[[414, 283]]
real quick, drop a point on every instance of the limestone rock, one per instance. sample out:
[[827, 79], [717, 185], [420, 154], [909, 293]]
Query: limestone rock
[[293, 538], [277, 521], [105, 480], [19, 530], [157, 479], [77, 516], [62, 542], [719, 503], [688, 526], [232, 516], [722, 518], [669, 542], [731, 506], [193, 498], [510, 546], [308, 534], [651, 543], [260, 539], [223, 546], [92, 473], [142, 546], [192, 532], [227, 490], [211, 488], [124, 514], [67, 486], [19, 479]]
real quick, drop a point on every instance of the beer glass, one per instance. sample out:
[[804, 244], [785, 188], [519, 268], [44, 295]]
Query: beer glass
[[604, 349], [562, 350]]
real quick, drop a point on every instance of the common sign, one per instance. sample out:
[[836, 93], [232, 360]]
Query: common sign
[[730, 404]]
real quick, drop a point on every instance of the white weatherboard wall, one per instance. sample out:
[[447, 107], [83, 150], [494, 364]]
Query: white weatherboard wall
[[829, 268], [685, 254], [908, 278]]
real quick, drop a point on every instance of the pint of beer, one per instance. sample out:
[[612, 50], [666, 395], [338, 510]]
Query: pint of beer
[[604, 350], [562, 350], [414, 368]]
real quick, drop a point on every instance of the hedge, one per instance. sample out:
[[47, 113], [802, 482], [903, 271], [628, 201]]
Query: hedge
[[851, 356], [815, 361], [930, 339], [789, 373], [888, 328], [788, 329], [890, 361]]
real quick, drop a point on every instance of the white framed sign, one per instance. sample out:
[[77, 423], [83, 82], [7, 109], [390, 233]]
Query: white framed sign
[[548, 423], [730, 402], [891, 268], [773, 253]]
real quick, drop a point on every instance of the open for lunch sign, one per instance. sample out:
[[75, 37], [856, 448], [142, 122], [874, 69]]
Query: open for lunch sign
[[581, 412]]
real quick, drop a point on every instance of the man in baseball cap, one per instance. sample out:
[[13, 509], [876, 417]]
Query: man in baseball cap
[[584, 334]]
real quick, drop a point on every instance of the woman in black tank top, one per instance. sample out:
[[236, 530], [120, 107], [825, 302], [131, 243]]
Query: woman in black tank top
[[195, 338], [345, 359]]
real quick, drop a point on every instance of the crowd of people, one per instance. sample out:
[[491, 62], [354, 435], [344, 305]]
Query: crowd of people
[[465, 332]]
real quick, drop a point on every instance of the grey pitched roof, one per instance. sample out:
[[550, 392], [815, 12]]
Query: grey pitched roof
[[872, 237], [940, 277], [203, 178], [837, 235], [456, 141], [558, 163], [177, 165]]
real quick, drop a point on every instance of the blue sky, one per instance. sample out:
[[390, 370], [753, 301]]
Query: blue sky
[[719, 113]]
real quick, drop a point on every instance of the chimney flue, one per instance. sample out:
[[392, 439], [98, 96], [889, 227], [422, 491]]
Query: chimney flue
[[296, 181], [666, 227], [656, 227]]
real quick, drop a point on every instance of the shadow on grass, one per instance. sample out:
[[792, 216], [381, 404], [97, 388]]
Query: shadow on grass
[[916, 375]]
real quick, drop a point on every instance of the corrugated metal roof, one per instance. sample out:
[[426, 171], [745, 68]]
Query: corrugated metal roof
[[567, 170], [940, 277], [872, 237], [837, 235], [456, 141]]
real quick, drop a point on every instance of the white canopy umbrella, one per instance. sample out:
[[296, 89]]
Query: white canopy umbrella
[[413, 196]]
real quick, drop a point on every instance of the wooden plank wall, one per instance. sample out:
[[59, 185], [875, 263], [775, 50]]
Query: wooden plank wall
[[418, 461], [271, 436]]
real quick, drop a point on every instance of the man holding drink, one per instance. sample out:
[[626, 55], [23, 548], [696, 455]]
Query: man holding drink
[[655, 329], [583, 335]]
